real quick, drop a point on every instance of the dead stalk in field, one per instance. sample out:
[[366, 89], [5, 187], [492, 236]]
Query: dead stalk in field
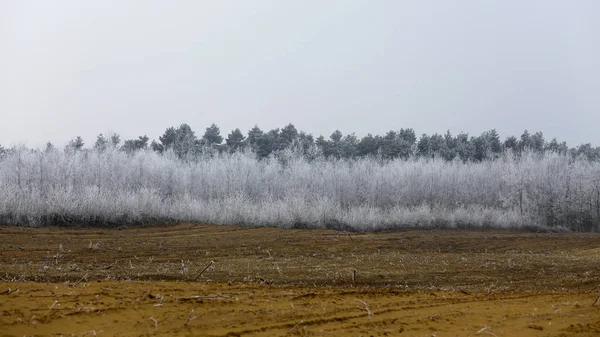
[[299, 324], [596, 300], [184, 269], [110, 266], [51, 307], [94, 245], [354, 277], [366, 308], [81, 279], [203, 270], [190, 317], [155, 322]]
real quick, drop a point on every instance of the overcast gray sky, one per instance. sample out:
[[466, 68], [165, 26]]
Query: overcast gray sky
[[71, 68]]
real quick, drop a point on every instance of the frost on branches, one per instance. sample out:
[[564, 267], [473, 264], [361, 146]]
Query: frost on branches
[[109, 187]]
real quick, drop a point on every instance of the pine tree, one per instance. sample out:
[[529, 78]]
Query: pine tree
[[494, 142], [75, 144], [367, 146], [182, 141], [525, 141], [288, 135], [235, 140], [49, 147], [133, 145], [115, 139], [424, 146], [537, 142], [254, 136], [101, 143], [511, 143], [212, 135], [168, 139]]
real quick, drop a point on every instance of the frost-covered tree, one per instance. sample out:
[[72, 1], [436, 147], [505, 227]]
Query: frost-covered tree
[[285, 177], [112, 188], [463, 147], [75, 144], [101, 143], [49, 147], [182, 141], [115, 139]]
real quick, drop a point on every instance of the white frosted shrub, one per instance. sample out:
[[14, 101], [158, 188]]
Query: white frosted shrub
[[113, 188]]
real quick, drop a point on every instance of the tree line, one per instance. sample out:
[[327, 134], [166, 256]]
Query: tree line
[[287, 178], [113, 188], [403, 143]]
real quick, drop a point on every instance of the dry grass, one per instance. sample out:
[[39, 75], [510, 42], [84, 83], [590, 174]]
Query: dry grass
[[467, 261], [263, 281]]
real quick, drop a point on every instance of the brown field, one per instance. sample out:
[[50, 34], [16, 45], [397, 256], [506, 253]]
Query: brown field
[[273, 282]]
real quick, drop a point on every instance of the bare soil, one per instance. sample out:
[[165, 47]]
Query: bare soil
[[201, 280]]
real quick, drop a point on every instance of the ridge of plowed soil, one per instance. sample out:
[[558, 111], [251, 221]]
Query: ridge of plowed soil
[[205, 280]]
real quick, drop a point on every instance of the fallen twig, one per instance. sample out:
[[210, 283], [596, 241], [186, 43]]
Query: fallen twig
[[190, 317], [51, 307], [366, 308], [155, 322], [211, 297], [110, 266], [486, 330], [81, 279], [299, 324], [9, 291], [464, 291]]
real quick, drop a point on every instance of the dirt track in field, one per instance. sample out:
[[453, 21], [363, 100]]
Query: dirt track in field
[[264, 281]]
